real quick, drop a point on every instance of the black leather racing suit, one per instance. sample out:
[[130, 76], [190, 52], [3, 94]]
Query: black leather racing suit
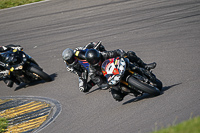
[[81, 71]]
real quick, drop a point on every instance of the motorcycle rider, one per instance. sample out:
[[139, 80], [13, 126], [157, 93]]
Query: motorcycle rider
[[71, 57], [8, 79], [96, 58]]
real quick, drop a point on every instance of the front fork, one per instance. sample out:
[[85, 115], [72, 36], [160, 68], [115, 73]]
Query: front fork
[[128, 88], [125, 88]]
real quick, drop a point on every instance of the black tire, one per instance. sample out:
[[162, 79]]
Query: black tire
[[159, 84], [42, 74], [143, 86], [8, 82]]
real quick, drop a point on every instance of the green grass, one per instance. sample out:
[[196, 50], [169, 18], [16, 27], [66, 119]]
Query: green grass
[[190, 126], [3, 124], [13, 3]]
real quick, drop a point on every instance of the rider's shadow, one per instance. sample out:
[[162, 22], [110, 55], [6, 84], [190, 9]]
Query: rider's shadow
[[145, 96], [91, 91], [24, 85]]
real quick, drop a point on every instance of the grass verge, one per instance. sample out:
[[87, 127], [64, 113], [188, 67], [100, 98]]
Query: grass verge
[[13, 3], [3, 125], [190, 126]]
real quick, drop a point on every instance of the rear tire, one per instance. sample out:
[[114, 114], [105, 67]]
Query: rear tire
[[143, 86], [42, 74]]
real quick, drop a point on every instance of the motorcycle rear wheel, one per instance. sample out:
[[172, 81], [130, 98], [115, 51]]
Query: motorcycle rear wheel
[[143, 86], [42, 74]]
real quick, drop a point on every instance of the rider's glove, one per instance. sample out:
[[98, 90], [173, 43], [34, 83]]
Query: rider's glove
[[18, 47], [4, 73], [122, 53]]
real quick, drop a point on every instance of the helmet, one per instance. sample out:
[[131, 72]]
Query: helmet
[[93, 57], [68, 56]]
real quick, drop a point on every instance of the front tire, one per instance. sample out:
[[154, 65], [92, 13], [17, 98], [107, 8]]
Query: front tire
[[42, 74], [143, 86], [159, 84]]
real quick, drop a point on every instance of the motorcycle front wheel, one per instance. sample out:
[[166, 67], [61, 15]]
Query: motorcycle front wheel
[[39, 72], [159, 84], [143, 86]]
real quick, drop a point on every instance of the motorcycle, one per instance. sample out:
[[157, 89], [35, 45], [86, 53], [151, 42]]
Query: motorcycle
[[135, 80], [23, 67]]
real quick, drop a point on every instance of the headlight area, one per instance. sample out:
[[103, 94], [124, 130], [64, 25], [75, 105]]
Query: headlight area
[[17, 68]]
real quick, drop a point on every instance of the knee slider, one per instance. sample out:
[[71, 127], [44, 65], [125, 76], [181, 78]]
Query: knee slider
[[116, 95]]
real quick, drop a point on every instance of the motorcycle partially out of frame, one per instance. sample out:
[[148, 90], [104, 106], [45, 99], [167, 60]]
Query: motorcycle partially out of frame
[[23, 67]]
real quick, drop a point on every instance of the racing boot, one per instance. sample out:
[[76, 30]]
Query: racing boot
[[89, 86], [135, 59], [84, 86], [146, 66]]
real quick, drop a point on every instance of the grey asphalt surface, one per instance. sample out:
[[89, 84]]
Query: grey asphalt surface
[[164, 31]]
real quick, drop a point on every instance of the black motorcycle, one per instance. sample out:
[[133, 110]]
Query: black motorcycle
[[23, 67], [135, 80]]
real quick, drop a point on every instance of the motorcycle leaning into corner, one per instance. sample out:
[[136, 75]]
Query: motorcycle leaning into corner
[[22, 67], [132, 78], [135, 81]]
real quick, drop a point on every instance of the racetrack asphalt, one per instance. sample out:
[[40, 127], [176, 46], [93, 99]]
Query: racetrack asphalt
[[167, 32]]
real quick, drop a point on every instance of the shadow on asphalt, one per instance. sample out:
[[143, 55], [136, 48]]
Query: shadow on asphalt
[[53, 76], [97, 89], [24, 85], [145, 96]]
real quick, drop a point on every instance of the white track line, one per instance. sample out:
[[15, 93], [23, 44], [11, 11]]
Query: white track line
[[24, 5]]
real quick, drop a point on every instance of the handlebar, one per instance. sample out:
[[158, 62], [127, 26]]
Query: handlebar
[[97, 45], [2, 64]]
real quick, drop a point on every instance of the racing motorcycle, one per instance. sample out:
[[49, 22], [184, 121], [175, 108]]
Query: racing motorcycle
[[136, 81], [23, 67], [131, 77]]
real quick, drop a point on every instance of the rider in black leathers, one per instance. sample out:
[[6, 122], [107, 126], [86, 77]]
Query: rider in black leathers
[[8, 79], [96, 58], [71, 57]]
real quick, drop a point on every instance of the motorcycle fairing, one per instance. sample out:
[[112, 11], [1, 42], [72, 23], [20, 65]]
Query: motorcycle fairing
[[113, 69]]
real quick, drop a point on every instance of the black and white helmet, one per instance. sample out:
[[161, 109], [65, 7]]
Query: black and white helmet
[[68, 56]]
